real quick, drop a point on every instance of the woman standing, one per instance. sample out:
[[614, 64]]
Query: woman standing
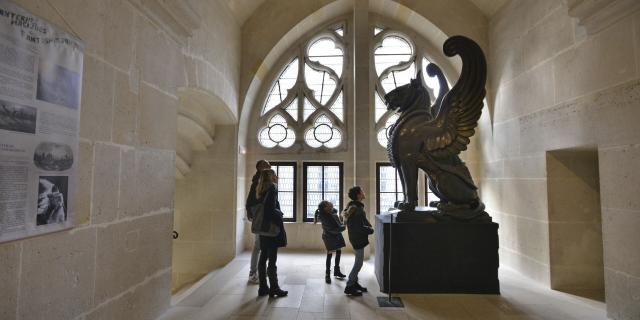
[[332, 228], [267, 192]]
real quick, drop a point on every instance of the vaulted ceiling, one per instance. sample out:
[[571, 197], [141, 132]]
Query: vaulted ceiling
[[243, 9]]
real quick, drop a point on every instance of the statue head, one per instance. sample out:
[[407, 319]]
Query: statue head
[[404, 97]]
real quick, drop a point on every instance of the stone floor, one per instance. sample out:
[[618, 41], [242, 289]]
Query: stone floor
[[225, 294]]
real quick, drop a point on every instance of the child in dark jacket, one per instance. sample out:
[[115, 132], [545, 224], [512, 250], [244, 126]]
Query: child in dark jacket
[[359, 230], [332, 228]]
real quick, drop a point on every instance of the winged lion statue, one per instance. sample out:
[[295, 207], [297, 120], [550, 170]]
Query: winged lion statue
[[431, 137]]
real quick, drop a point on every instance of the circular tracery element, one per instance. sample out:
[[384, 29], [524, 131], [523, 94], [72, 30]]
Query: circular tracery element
[[277, 133], [323, 133]]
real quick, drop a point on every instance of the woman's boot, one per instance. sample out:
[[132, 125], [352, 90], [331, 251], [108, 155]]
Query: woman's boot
[[263, 289], [337, 273], [274, 290], [327, 276]]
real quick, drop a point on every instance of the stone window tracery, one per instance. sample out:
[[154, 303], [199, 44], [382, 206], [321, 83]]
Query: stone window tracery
[[396, 61], [305, 104]]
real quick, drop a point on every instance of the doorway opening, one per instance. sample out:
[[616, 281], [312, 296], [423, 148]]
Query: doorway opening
[[575, 223]]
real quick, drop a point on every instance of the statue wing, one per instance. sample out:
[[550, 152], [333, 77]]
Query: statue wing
[[449, 132]]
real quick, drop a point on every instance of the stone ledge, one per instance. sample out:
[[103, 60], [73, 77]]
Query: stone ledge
[[595, 16]]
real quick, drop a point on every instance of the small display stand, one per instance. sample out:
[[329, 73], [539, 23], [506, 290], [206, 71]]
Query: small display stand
[[447, 257]]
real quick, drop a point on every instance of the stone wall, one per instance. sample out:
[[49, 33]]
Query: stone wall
[[205, 199], [204, 211], [555, 87], [116, 264]]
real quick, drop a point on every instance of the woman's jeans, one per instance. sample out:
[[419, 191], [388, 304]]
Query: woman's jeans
[[253, 267], [357, 265]]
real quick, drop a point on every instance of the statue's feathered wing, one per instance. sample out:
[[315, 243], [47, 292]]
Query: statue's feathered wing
[[458, 112]]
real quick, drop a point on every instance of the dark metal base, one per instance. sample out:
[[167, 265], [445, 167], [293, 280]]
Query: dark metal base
[[395, 302]]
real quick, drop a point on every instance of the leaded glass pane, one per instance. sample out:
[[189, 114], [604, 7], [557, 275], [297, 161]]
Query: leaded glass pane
[[328, 89], [314, 178], [292, 109], [263, 138], [398, 78], [392, 51], [313, 78], [336, 139], [332, 178], [377, 30], [313, 199], [325, 52], [338, 107], [280, 88], [381, 108], [286, 189], [289, 140], [340, 31], [333, 197], [429, 195], [389, 187], [285, 177], [387, 200], [382, 137], [383, 133], [323, 183], [307, 109], [387, 179], [310, 139], [321, 84], [322, 120], [286, 203]]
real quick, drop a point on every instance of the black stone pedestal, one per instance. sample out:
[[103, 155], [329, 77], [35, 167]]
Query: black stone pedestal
[[437, 257]]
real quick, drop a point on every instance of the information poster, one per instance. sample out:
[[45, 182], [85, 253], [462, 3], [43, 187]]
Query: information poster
[[40, 89]]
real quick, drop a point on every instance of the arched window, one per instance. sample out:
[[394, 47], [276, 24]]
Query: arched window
[[305, 104], [396, 60]]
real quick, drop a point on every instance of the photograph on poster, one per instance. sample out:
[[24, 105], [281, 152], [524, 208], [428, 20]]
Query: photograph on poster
[[58, 85], [17, 118], [52, 198], [53, 156]]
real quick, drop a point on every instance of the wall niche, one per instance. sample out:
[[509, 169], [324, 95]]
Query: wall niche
[[575, 222]]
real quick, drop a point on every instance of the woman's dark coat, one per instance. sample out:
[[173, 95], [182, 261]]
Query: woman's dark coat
[[332, 228], [273, 214], [357, 224], [251, 198]]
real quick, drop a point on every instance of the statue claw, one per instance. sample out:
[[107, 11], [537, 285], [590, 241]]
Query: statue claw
[[406, 206]]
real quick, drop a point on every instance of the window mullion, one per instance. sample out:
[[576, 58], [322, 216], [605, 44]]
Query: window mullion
[[322, 179], [322, 87]]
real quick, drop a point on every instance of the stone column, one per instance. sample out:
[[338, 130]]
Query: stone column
[[363, 136]]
